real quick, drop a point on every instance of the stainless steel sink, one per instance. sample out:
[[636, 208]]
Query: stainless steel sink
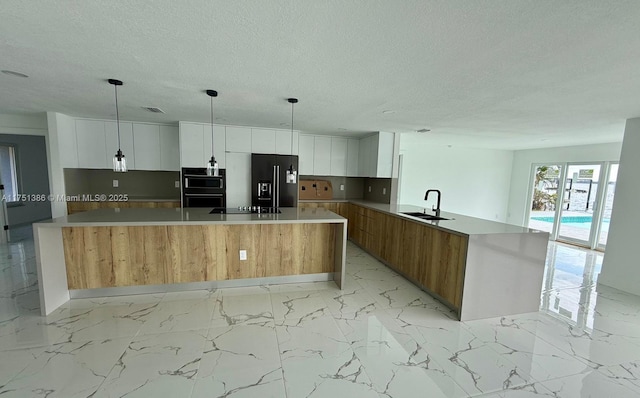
[[424, 216]]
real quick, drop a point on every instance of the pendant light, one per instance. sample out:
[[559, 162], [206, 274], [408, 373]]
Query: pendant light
[[119, 162], [292, 174], [212, 165]]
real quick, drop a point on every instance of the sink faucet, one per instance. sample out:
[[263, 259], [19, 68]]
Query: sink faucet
[[437, 209]]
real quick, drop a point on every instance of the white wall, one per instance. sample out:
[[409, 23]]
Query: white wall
[[28, 124], [524, 159], [57, 122], [473, 182], [620, 267]]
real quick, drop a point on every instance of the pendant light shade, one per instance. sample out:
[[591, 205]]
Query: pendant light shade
[[292, 173], [119, 161], [212, 164]]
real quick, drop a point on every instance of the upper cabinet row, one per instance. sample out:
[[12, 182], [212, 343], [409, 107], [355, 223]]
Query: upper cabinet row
[[195, 142], [93, 144], [370, 156]]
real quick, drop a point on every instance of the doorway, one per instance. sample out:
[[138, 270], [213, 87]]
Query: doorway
[[569, 201]]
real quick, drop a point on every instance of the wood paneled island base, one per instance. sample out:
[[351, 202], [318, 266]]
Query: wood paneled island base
[[110, 252], [101, 257]]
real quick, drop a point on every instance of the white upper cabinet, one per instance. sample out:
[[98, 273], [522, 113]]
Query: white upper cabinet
[[353, 149], [126, 143], [219, 148], [322, 156], [376, 155], [263, 141], [92, 148], [146, 144], [195, 144], [169, 148], [238, 139], [191, 145], [284, 144], [385, 154], [338, 156], [305, 153]]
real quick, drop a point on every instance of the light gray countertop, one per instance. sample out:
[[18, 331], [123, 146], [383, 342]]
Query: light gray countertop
[[189, 216], [457, 223]]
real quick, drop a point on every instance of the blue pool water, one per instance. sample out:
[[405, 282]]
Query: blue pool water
[[578, 221]]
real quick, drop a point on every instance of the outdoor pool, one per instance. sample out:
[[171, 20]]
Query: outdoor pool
[[578, 221]]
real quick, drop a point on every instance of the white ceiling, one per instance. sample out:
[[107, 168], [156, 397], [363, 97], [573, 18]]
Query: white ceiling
[[497, 73]]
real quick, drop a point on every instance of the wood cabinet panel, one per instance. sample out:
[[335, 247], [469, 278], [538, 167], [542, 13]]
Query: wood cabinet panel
[[98, 257], [431, 257]]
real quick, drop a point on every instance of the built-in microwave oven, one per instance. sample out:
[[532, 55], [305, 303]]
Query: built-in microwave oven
[[201, 190]]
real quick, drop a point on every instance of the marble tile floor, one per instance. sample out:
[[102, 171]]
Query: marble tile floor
[[380, 337]]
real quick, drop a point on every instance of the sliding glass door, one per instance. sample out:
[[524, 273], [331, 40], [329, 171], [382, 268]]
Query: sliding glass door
[[569, 201], [579, 204]]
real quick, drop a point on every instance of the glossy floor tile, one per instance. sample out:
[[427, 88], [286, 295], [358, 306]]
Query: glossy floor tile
[[379, 337]]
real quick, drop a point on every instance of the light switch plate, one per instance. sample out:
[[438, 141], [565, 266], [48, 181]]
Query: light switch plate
[[384, 191], [177, 184], [369, 188], [243, 255], [115, 183], [342, 187]]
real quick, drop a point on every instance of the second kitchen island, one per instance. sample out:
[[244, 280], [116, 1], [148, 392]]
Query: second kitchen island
[[130, 251]]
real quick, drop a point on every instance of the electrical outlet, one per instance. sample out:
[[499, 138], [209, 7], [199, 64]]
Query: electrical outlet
[[342, 187], [369, 188], [384, 191], [115, 183], [177, 184], [243, 255]]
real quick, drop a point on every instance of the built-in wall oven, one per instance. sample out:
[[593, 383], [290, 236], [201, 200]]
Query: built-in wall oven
[[201, 190]]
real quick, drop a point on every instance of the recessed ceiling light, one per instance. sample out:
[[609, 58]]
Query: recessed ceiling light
[[12, 73], [388, 112], [423, 130]]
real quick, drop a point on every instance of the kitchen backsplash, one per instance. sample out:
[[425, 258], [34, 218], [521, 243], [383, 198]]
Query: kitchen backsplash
[[377, 190], [137, 184], [353, 186]]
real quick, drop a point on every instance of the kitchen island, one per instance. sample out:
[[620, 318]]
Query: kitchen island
[[124, 251], [477, 267]]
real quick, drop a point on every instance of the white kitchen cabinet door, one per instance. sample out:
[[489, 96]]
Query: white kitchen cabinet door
[[384, 154], [284, 146], [238, 178], [68, 142], [353, 150], [306, 151], [338, 156], [263, 141], [219, 147], [146, 145], [322, 156], [364, 161], [192, 151], [373, 155], [169, 148], [92, 149], [126, 143], [238, 139]]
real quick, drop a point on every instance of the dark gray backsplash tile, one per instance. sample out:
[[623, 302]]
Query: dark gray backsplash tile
[[138, 184]]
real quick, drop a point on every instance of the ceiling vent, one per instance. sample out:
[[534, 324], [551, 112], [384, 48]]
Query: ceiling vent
[[153, 109]]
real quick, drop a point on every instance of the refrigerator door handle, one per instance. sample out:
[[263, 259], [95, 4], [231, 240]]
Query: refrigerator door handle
[[277, 187]]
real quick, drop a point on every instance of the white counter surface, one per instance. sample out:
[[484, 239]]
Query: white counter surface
[[456, 222], [191, 216]]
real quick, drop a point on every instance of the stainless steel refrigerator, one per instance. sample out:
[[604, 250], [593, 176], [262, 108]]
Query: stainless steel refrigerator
[[268, 181]]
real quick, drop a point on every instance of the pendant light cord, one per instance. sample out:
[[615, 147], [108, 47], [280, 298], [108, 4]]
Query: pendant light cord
[[212, 153], [115, 87], [292, 133]]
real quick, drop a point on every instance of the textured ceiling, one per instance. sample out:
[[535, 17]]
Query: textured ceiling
[[498, 73]]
